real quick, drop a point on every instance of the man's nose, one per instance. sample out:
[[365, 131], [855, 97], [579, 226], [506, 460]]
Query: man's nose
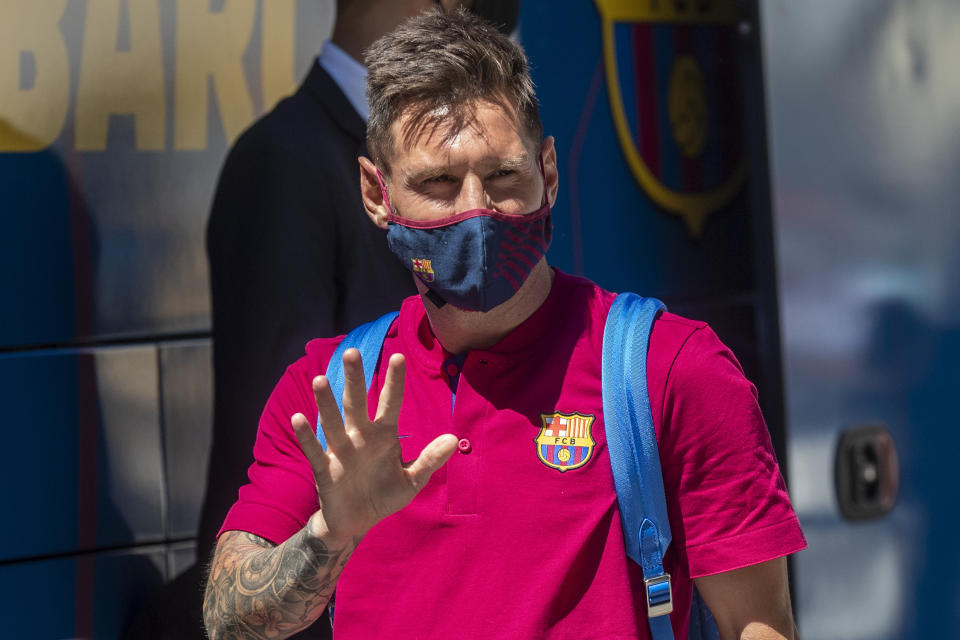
[[472, 194]]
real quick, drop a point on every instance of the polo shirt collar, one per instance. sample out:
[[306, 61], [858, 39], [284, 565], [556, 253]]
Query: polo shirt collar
[[420, 343], [349, 74]]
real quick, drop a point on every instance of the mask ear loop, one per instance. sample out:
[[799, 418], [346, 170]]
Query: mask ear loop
[[543, 175], [386, 200], [548, 230]]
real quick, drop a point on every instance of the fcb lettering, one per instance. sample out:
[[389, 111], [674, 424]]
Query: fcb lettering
[[565, 440]]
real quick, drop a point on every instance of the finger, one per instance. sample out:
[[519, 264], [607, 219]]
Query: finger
[[391, 396], [354, 390], [433, 456], [309, 444], [329, 412]]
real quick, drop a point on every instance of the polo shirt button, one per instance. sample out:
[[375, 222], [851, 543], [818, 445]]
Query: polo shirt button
[[464, 446], [452, 370]]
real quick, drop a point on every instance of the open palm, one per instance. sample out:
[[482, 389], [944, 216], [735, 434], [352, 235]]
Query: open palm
[[361, 477]]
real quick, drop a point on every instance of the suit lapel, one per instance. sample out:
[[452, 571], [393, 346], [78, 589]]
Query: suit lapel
[[322, 88]]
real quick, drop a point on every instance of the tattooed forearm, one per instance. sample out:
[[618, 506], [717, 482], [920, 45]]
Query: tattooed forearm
[[258, 590]]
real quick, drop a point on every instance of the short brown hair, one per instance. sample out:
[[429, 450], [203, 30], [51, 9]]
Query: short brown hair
[[444, 62]]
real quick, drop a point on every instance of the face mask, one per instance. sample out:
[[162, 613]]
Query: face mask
[[474, 260]]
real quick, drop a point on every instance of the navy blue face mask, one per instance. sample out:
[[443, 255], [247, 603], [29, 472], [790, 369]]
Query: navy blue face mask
[[475, 260]]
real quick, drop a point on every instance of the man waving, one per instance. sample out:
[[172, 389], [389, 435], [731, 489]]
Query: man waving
[[434, 511]]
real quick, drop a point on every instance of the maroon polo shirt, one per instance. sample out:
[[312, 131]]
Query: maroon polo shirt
[[518, 535]]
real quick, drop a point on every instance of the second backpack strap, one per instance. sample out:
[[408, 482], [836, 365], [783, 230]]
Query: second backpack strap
[[368, 340], [632, 445]]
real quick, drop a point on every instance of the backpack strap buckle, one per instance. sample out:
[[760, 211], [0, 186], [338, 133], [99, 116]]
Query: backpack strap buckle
[[659, 595]]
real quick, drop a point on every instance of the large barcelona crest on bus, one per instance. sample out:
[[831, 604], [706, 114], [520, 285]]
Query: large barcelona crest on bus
[[672, 78]]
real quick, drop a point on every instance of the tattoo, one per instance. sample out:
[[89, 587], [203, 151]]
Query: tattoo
[[256, 589]]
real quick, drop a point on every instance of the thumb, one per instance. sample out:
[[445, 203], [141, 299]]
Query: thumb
[[433, 456]]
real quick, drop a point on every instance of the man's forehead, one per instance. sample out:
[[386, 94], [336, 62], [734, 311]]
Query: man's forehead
[[488, 129]]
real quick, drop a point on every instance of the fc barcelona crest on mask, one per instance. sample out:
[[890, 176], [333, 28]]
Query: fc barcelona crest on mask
[[423, 268], [671, 70], [565, 441]]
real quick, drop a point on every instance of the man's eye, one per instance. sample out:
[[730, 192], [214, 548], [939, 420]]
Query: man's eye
[[438, 179]]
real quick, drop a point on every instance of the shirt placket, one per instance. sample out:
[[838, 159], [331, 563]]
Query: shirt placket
[[467, 424]]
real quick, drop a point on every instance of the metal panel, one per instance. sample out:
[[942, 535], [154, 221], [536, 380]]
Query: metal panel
[[186, 381], [180, 557], [36, 250], [41, 459], [131, 476], [50, 616], [86, 596], [124, 582], [82, 449], [864, 114]]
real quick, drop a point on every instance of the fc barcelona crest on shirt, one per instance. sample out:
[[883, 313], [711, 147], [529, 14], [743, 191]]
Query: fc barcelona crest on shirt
[[565, 441], [423, 268], [671, 70]]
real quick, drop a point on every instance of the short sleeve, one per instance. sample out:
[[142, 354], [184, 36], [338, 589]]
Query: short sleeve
[[727, 500], [281, 495]]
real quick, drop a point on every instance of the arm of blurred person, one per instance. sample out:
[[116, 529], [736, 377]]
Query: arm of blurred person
[[752, 603], [257, 589]]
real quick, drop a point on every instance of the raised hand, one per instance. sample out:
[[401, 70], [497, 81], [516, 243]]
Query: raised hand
[[361, 477]]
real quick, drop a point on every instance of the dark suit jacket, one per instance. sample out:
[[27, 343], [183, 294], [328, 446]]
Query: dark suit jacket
[[293, 256]]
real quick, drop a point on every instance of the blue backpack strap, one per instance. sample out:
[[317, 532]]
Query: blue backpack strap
[[368, 339], [632, 445]]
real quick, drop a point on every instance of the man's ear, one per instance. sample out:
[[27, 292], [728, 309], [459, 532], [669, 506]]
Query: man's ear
[[550, 175], [371, 193]]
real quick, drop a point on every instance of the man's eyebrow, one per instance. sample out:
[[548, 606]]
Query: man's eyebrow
[[514, 163], [417, 176]]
